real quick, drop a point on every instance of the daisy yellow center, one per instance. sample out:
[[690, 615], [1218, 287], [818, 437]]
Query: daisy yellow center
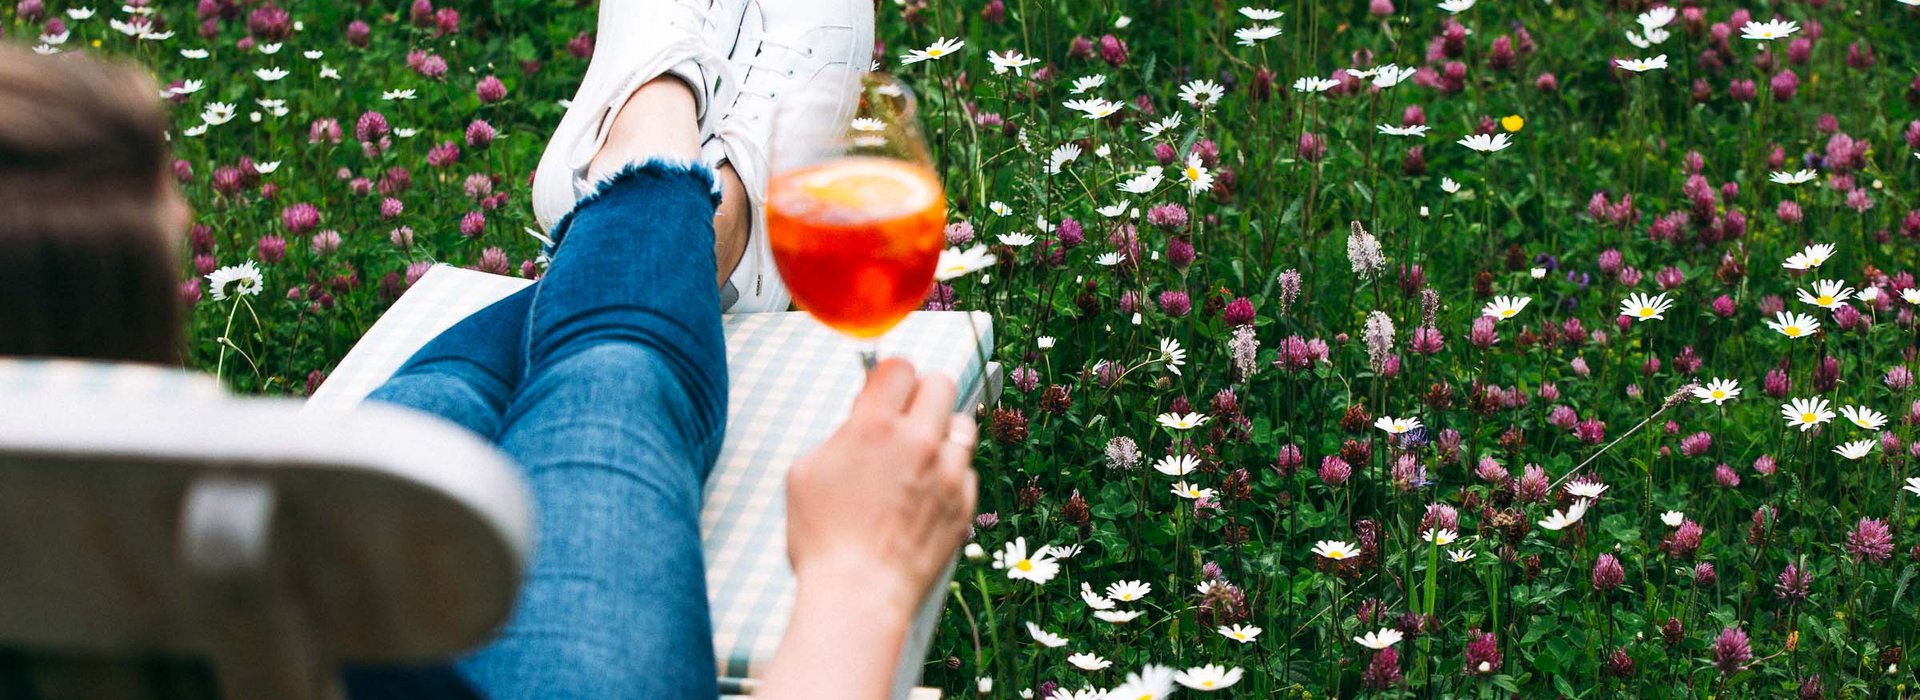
[[1860, 422], [1808, 417], [1824, 300], [1208, 684], [1646, 311], [1718, 394], [1791, 331], [1024, 565], [1145, 696], [1816, 261], [1193, 173], [1336, 554], [936, 52], [1507, 313]]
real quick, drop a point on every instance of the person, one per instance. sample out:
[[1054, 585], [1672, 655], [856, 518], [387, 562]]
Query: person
[[605, 380]]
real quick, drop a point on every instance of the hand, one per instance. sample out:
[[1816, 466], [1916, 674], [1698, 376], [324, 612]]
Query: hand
[[884, 503]]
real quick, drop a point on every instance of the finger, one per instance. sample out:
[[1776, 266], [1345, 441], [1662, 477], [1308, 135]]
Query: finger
[[964, 432], [932, 403], [889, 387]]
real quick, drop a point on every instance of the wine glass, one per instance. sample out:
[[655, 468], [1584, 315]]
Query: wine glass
[[856, 215]]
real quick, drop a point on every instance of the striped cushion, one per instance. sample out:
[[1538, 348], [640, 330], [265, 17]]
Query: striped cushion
[[792, 381]]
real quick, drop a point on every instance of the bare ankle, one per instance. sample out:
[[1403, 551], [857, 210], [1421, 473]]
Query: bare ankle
[[732, 223], [658, 121]]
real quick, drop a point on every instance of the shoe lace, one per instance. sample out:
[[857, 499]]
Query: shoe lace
[[773, 68]]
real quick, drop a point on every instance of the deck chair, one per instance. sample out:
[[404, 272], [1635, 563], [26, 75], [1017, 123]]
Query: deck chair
[[172, 522], [791, 383]]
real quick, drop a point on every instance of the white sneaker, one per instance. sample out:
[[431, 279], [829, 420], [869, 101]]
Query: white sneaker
[[785, 47], [635, 42]]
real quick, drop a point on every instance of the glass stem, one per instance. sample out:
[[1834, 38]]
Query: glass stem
[[869, 355]]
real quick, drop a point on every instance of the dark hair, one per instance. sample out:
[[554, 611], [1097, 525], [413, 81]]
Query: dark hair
[[88, 261]]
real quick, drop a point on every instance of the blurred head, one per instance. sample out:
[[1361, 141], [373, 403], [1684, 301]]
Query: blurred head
[[90, 223]]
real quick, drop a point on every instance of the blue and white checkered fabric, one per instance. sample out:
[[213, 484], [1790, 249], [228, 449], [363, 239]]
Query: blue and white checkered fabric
[[792, 382]]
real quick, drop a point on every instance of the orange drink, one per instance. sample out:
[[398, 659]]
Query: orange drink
[[857, 239]]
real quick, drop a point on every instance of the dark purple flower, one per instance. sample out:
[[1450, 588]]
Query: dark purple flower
[[1870, 541], [1731, 651], [272, 248], [1607, 573], [1174, 303], [490, 90]]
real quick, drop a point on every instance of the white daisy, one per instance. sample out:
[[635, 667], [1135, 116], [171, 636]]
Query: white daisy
[[1151, 683], [242, 280], [1179, 421], [80, 13], [1062, 155], [1093, 108], [1390, 75], [1201, 93], [1153, 130], [1792, 178], [1249, 36], [956, 263], [1385, 637], [1809, 257], [1010, 61], [1673, 518], [1113, 210], [1108, 259], [1145, 182], [1260, 14], [1585, 488], [1082, 85], [1460, 556], [1128, 591], [1208, 678], [1641, 307], [1396, 426], [937, 50], [1505, 307], [1657, 17], [1176, 465], [1391, 130], [1449, 186], [1717, 392], [1017, 240], [1198, 178], [1863, 417], [1245, 634], [1314, 84], [1768, 30], [1191, 492], [1117, 616], [1087, 662], [1172, 354], [1456, 6], [1559, 521], [1854, 450], [1805, 413], [195, 54], [271, 74], [1014, 560], [1336, 550], [1794, 325], [1094, 600], [393, 95], [1642, 65], [1045, 638], [1826, 294], [1440, 536], [1485, 143]]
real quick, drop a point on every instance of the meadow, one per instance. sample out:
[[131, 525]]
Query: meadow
[[1364, 349]]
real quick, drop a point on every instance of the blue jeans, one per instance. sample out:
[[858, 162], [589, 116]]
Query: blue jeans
[[607, 381]]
